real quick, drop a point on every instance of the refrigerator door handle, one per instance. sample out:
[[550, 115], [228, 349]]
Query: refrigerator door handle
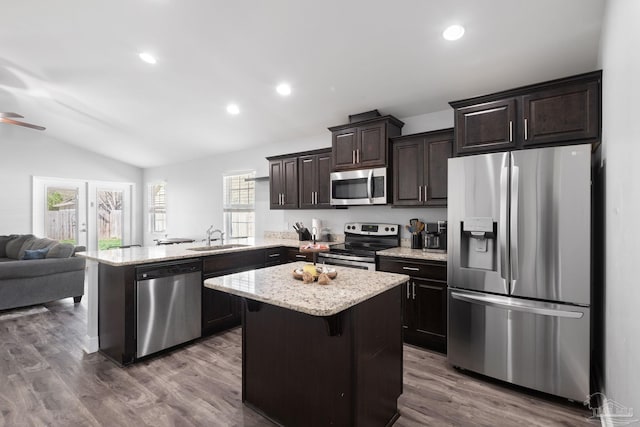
[[514, 222], [506, 303], [502, 232]]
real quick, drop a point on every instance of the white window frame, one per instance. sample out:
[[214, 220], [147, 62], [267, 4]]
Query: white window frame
[[229, 209], [154, 208]]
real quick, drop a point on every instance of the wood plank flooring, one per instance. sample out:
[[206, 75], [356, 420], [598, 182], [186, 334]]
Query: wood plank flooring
[[47, 380]]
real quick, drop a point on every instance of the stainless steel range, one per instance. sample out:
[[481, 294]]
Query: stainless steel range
[[361, 241]]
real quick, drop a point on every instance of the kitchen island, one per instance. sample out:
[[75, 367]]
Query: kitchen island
[[320, 355]]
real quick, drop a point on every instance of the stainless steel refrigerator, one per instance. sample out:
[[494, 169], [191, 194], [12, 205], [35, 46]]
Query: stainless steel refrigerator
[[519, 271]]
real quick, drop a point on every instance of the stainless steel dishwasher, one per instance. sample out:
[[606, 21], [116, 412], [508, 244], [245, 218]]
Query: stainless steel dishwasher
[[168, 305]]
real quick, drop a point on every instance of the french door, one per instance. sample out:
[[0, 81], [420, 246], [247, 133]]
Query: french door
[[97, 215]]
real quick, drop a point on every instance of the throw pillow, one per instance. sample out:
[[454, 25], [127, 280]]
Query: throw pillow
[[35, 253], [61, 250]]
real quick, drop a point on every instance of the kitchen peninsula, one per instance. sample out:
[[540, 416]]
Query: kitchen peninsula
[[320, 355]]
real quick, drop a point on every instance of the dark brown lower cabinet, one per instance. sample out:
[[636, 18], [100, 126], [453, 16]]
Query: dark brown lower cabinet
[[294, 255], [220, 310], [341, 370], [424, 301]]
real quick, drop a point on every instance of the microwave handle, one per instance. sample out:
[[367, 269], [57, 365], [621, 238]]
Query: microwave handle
[[370, 184]]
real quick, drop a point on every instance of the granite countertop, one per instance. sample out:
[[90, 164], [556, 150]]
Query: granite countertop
[[401, 252], [149, 254], [276, 286]]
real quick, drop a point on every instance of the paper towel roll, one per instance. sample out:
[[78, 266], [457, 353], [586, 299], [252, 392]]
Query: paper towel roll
[[316, 226]]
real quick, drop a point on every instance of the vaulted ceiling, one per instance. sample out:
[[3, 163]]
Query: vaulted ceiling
[[73, 65]]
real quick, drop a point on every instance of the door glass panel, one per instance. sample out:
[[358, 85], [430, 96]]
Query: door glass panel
[[110, 218], [61, 219]]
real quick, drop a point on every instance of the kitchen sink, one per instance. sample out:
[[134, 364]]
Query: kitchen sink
[[217, 247]]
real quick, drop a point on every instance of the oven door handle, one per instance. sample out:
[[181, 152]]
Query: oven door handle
[[346, 257]]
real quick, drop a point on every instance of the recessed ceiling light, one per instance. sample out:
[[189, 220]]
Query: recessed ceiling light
[[284, 89], [147, 57], [453, 32], [233, 109]]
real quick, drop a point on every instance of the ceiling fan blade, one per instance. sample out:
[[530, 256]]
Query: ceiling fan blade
[[27, 125], [12, 115]]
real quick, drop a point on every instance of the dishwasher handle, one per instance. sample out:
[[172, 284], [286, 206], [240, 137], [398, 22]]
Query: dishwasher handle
[[158, 271]]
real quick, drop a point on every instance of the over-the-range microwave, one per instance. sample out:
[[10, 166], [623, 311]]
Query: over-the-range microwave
[[359, 187]]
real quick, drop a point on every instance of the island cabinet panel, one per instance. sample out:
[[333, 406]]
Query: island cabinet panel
[[220, 310], [420, 168], [295, 372], [117, 312], [425, 300], [558, 112]]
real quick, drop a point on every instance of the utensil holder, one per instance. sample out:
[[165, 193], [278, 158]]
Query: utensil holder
[[416, 241]]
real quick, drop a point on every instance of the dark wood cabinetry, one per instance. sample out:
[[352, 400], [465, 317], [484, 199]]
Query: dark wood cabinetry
[[294, 255], [420, 168], [300, 180], [563, 111], [275, 256], [424, 300], [283, 182], [363, 144], [220, 310], [313, 183]]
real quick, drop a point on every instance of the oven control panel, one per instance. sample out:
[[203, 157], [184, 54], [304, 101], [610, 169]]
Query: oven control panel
[[371, 229]]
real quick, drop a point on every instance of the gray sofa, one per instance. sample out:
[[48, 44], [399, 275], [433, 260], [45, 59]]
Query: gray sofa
[[35, 271]]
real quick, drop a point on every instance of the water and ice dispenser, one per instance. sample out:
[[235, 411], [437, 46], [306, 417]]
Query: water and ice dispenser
[[478, 243]]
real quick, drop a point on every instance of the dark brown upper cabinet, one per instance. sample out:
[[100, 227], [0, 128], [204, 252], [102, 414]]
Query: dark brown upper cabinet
[[314, 185], [560, 112], [363, 144], [283, 182], [420, 168]]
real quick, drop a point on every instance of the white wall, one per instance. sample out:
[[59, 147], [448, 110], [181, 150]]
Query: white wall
[[194, 189], [25, 153], [620, 61]]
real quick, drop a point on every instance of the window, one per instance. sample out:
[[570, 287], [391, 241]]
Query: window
[[239, 205], [157, 207]]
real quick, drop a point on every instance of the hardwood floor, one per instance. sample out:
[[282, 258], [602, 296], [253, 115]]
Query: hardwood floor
[[47, 380]]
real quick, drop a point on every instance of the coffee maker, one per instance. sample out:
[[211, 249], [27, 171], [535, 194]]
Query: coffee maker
[[435, 236]]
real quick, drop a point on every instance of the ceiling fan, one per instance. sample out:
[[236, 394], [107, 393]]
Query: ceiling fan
[[8, 118]]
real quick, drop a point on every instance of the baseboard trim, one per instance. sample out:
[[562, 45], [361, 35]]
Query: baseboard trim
[[91, 344]]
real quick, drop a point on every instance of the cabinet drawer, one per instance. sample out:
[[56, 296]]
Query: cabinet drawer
[[275, 256], [233, 262], [434, 270], [295, 255]]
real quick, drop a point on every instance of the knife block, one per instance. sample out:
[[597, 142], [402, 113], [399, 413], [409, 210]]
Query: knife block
[[304, 235]]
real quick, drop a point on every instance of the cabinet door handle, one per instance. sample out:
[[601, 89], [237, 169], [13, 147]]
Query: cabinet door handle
[[280, 199], [526, 132], [426, 193], [316, 197], [414, 290], [301, 256], [420, 193], [358, 155], [408, 284], [411, 268], [283, 198], [353, 156], [274, 255], [510, 130]]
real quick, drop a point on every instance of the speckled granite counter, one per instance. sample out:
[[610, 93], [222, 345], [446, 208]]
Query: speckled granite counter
[[276, 286], [401, 252], [149, 254]]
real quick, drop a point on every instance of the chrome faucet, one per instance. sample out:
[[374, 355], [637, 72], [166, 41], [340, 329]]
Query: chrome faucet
[[210, 233]]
